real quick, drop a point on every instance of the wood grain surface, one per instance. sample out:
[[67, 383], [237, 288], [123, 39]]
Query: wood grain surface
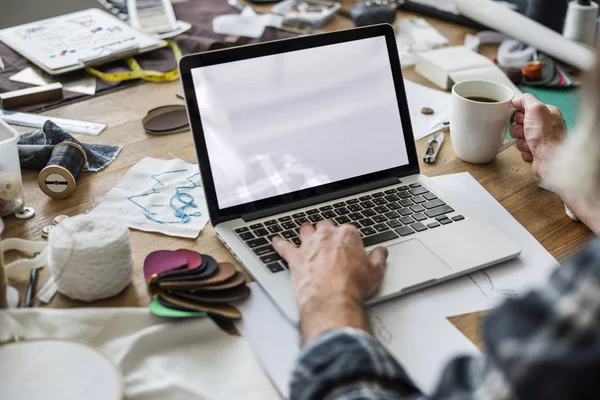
[[508, 179]]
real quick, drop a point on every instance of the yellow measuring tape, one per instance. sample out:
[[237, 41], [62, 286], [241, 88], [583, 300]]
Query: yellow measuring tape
[[138, 73]]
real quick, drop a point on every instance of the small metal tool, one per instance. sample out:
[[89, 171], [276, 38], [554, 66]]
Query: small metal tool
[[434, 144]]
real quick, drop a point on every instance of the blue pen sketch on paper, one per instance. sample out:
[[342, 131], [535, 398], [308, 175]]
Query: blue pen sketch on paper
[[180, 201]]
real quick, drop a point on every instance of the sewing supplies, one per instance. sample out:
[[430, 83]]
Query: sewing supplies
[[580, 24], [59, 218], [166, 119], [515, 75], [31, 287], [46, 231], [51, 368], [3, 277], [184, 283], [89, 258], [32, 95], [9, 296], [38, 121], [25, 213], [157, 309], [59, 178], [185, 200], [11, 186], [434, 145], [533, 71], [137, 72]]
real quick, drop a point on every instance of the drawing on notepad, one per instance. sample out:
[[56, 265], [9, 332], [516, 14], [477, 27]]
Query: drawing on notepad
[[65, 40], [487, 287]]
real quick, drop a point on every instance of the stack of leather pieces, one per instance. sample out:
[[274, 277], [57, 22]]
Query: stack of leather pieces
[[185, 283]]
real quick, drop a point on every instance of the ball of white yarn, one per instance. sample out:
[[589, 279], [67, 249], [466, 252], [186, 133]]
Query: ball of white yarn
[[90, 257]]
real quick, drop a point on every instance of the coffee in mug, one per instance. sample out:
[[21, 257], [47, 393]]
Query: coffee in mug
[[481, 113]]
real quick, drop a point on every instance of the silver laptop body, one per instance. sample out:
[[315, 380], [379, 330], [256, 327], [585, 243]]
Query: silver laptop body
[[318, 127]]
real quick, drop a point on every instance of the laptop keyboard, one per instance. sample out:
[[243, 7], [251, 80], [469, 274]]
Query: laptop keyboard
[[381, 216]]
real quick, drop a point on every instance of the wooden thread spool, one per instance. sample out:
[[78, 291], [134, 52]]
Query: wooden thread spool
[[59, 178]]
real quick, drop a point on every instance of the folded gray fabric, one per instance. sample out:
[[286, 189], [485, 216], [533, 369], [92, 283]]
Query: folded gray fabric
[[35, 148]]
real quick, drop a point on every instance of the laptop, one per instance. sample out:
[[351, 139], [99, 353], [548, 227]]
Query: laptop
[[317, 128]]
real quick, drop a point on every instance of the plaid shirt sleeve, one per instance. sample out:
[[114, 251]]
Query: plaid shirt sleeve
[[545, 345]]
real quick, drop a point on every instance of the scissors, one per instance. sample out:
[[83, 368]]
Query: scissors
[[434, 144]]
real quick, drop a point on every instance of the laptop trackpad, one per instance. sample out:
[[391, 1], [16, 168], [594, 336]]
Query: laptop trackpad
[[409, 264]]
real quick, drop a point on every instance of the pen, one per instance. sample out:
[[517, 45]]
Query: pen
[[30, 294]]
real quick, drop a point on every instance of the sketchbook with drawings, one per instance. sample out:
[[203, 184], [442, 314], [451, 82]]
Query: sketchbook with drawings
[[77, 40]]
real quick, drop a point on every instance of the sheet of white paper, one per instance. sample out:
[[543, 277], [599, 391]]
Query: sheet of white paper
[[485, 289], [152, 183], [30, 76], [420, 96], [159, 358], [83, 85], [65, 40], [422, 340]]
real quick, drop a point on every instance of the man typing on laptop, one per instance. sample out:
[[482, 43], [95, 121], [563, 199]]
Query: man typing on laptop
[[544, 345]]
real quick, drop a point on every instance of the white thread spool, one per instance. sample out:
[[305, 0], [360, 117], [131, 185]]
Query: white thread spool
[[580, 24], [89, 257]]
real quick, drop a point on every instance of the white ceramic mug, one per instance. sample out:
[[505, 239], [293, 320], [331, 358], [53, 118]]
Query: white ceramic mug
[[477, 128]]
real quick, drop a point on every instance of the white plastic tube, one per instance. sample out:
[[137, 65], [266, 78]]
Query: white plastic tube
[[519, 27]]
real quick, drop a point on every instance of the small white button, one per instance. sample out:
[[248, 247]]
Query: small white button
[[60, 219], [25, 213], [46, 230]]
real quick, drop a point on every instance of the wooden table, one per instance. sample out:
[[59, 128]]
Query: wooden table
[[508, 179]]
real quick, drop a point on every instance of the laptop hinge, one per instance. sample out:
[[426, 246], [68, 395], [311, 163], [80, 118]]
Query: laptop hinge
[[320, 199]]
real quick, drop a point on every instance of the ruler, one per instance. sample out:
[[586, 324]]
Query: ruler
[[38, 121]]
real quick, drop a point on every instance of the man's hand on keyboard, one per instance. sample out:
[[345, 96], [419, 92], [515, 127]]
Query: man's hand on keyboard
[[332, 275]]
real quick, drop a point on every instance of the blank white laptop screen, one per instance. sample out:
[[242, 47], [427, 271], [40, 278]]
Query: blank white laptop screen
[[286, 122]]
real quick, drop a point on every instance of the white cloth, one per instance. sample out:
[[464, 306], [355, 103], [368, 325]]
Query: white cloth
[[139, 180], [160, 359]]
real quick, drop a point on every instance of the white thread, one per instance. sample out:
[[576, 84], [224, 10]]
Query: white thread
[[89, 257], [580, 23], [10, 186]]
